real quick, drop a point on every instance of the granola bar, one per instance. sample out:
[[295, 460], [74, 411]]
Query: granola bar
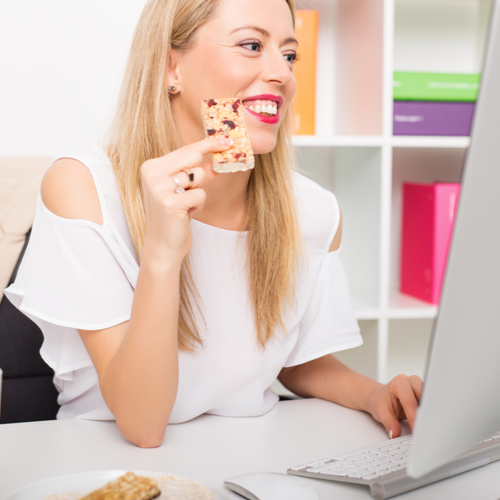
[[224, 118], [126, 487]]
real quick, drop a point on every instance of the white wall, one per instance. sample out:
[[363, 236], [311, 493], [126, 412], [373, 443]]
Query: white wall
[[61, 63]]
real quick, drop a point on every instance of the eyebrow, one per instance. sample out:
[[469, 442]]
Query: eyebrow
[[264, 32]]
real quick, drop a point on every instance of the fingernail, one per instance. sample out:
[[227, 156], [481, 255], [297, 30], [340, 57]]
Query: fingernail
[[226, 142], [390, 434]]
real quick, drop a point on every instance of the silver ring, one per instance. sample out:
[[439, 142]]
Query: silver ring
[[179, 189]]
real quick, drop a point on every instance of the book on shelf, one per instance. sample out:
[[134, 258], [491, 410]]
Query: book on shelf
[[415, 86], [432, 118], [304, 102], [428, 217]]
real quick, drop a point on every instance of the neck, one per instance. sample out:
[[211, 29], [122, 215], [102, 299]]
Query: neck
[[226, 201]]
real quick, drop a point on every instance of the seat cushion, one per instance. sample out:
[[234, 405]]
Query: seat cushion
[[20, 179], [27, 399], [28, 392]]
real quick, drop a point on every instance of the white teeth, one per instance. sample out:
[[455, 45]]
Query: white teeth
[[269, 109], [272, 109]]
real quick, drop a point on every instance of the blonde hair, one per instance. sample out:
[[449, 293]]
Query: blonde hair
[[144, 128]]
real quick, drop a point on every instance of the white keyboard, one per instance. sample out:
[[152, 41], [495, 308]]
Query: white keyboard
[[368, 463], [383, 467]]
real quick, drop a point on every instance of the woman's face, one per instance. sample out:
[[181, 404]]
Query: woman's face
[[246, 50]]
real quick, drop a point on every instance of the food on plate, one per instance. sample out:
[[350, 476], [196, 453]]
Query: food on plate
[[127, 487], [224, 118], [169, 487]]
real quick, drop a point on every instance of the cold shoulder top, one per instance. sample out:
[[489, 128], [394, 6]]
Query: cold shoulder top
[[77, 274]]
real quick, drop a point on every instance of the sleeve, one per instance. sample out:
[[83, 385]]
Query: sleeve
[[329, 323], [74, 275]]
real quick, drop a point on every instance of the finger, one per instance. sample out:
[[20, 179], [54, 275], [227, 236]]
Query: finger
[[192, 200], [417, 385], [209, 145], [403, 391], [159, 171], [391, 423], [183, 159], [395, 430], [188, 157], [191, 178]]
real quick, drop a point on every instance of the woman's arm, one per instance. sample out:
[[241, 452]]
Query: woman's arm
[[328, 378], [137, 361]]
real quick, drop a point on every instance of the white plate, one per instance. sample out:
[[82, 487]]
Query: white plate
[[84, 482]]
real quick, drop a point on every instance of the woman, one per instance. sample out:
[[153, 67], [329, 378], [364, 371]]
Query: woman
[[157, 306]]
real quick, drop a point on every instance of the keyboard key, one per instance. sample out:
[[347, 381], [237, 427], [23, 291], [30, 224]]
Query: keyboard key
[[334, 473], [318, 462], [371, 476], [319, 468]]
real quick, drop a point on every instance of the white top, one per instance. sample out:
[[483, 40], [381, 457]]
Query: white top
[[77, 274]]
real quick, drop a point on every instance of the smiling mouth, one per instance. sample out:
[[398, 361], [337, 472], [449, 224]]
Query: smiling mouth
[[262, 107]]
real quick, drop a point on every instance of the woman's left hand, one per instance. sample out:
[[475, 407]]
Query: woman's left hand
[[398, 400]]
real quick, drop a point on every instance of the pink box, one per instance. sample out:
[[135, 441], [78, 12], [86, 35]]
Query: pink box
[[427, 224]]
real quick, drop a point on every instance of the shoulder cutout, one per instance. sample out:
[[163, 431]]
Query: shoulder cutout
[[68, 190], [338, 236]]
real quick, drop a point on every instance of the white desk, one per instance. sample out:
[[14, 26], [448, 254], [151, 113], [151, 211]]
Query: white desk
[[212, 448]]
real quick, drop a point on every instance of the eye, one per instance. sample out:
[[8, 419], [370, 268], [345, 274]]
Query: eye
[[253, 46], [292, 58]]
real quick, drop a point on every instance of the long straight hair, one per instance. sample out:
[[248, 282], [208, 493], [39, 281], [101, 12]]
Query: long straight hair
[[144, 128]]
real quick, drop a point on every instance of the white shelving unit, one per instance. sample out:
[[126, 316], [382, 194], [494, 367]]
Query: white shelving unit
[[355, 155]]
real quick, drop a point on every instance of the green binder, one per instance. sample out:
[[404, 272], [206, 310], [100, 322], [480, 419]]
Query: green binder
[[436, 86]]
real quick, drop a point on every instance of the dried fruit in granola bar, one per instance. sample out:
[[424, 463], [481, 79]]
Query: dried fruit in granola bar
[[224, 118]]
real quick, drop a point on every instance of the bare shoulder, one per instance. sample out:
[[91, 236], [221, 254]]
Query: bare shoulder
[[68, 190]]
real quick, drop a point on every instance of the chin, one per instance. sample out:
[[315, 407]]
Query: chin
[[263, 145]]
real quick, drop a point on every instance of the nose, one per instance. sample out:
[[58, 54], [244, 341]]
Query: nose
[[277, 70]]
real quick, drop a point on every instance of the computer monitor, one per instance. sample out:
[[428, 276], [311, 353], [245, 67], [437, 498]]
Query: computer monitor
[[460, 404]]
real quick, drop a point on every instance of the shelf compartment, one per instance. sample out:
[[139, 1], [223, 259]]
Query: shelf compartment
[[440, 36], [351, 40], [353, 174], [424, 165], [363, 359], [408, 345], [364, 310]]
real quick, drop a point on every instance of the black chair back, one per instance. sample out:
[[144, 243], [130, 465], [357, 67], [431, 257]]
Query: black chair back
[[28, 391]]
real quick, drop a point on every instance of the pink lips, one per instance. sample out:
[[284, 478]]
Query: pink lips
[[269, 97]]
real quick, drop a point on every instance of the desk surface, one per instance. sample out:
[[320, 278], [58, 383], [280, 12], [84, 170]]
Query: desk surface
[[211, 449]]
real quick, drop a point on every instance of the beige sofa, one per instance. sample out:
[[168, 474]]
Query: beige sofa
[[20, 179]]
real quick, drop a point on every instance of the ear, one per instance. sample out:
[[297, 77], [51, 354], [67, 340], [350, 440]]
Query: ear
[[173, 73]]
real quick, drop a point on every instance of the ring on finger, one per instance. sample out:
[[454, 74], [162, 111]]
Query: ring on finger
[[179, 189], [190, 176]]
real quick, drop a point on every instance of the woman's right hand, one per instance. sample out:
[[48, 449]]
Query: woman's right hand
[[168, 213]]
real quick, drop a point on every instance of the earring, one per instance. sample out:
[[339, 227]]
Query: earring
[[172, 88]]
